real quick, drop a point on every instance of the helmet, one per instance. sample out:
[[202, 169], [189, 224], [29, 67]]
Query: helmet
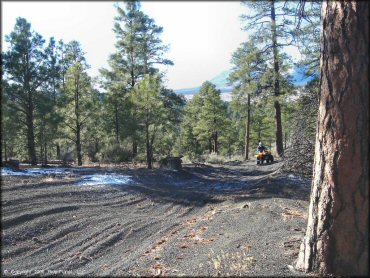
[[260, 144]]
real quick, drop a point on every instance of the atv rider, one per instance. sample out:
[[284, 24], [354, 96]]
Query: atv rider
[[261, 147]]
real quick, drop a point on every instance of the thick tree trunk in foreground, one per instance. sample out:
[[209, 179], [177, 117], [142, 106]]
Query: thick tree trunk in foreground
[[337, 236]]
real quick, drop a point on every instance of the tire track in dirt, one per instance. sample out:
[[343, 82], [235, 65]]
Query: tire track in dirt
[[138, 229], [9, 222]]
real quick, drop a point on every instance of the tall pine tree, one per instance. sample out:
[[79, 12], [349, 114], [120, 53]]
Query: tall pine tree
[[25, 67], [272, 24]]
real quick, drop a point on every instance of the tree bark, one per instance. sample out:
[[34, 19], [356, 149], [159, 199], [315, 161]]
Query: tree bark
[[29, 118], [45, 161], [134, 147], [5, 150], [216, 143], [148, 148], [279, 130], [58, 151], [116, 121], [134, 137], [31, 138], [247, 128], [337, 235], [78, 146], [78, 123]]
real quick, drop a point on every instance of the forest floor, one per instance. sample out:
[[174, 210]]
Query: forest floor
[[205, 220]]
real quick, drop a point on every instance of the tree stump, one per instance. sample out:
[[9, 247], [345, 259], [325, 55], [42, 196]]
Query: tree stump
[[171, 162], [14, 164]]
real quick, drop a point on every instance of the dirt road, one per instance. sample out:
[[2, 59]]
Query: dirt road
[[236, 219]]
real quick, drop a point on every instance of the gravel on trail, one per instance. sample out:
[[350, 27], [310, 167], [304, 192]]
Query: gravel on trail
[[235, 219]]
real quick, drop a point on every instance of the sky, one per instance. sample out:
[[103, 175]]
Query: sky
[[202, 35]]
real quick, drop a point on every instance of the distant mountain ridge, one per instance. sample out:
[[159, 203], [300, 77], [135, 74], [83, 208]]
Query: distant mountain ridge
[[299, 79]]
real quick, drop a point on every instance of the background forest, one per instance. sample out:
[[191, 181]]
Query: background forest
[[53, 110]]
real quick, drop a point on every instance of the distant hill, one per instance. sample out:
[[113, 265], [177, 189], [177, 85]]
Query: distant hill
[[221, 81], [299, 79]]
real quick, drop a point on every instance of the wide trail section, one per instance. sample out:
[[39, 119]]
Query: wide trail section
[[236, 219]]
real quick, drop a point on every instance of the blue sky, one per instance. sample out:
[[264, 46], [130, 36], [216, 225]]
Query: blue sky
[[202, 35]]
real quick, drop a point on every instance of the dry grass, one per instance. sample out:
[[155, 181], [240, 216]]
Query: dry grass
[[231, 263], [49, 179], [290, 213]]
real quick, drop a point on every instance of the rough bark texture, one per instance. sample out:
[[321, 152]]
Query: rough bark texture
[[336, 240]]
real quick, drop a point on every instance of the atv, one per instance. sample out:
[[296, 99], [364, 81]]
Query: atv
[[265, 155]]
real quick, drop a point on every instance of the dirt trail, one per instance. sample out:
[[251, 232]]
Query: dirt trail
[[236, 219]]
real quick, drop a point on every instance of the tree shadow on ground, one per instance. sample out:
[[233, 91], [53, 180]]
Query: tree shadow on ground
[[199, 186], [195, 185]]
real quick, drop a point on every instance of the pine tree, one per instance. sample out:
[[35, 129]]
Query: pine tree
[[337, 235], [139, 49], [272, 23], [168, 137], [25, 66], [78, 97], [189, 143], [117, 104], [249, 67], [12, 124], [307, 35], [151, 112], [47, 115], [211, 118]]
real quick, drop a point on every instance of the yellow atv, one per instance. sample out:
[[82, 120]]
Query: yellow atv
[[265, 155]]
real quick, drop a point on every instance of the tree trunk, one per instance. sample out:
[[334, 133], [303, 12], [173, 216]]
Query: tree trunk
[[45, 154], [78, 146], [216, 143], [148, 148], [116, 121], [247, 128], [285, 139], [31, 139], [337, 235], [134, 146], [78, 123], [134, 139], [58, 151], [5, 151], [279, 130]]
